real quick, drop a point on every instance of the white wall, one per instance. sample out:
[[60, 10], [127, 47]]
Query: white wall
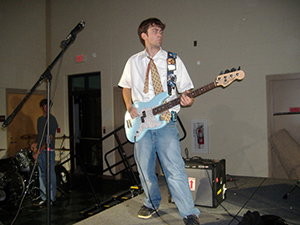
[[260, 36], [23, 50]]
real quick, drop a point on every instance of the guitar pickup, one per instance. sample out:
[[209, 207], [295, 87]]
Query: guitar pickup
[[129, 124], [143, 116]]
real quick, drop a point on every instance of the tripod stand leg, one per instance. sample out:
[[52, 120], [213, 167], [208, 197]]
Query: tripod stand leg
[[293, 188], [90, 184], [3, 210]]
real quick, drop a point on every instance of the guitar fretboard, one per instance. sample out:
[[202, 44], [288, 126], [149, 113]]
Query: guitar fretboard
[[176, 101]]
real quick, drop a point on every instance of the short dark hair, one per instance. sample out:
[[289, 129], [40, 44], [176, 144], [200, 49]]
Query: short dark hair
[[44, 102], [144, 26]]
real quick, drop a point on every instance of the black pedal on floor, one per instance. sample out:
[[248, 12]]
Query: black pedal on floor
[[136, 190]]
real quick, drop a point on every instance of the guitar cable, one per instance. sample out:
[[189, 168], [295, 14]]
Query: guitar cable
[[215, 197], [248, 199]]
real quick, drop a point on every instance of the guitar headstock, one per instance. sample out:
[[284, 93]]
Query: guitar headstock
[[224, 79]]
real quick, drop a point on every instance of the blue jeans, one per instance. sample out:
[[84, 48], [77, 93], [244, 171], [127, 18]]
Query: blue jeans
[[164, 143], [43, 174]]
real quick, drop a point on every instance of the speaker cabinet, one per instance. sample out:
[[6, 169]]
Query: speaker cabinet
[[207, 179]]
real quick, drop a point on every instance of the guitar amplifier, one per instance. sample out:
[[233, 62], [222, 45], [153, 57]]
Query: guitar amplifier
[[207, 179]]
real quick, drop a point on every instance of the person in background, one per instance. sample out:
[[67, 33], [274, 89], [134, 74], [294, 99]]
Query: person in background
[[39, 147]]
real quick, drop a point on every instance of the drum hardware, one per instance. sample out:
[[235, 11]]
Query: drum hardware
[[61, 152], [19, 178], [2, 184], [32, 184], [62, 149], [19, 202], [14, 176], [28, 137], [23, 159], [7, 167], [12, 188], [2, 194], [62, 179], [1, 178]]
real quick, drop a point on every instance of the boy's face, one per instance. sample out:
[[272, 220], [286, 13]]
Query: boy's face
[[154, 37], [44, 108]]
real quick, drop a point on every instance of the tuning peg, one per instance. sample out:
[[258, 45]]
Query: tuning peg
[[221, 72], [233, 69], [239, 68], [227, 71]]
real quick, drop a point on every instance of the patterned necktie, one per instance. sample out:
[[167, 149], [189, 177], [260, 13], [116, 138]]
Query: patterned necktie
[[156, 86]]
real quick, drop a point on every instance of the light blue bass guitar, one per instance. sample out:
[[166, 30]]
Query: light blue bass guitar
[[149, 112]]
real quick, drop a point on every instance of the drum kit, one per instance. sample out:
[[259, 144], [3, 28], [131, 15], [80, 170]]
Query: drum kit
[[19, 176]]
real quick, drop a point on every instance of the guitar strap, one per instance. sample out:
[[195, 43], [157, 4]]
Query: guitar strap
[[171, 79], [171, 65]]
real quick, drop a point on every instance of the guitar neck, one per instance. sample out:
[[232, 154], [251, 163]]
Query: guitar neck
[[193, 94]]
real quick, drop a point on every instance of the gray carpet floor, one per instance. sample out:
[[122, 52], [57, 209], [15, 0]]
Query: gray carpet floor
[[263, 195]]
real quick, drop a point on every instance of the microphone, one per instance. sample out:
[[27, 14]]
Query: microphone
[[73, 33]]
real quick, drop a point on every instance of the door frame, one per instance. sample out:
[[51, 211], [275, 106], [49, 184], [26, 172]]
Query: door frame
[[273, 161], [34, 116], [73, 124]]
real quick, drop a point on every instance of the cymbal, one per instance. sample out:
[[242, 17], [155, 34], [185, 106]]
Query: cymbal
[[28, 136], [63, 137]]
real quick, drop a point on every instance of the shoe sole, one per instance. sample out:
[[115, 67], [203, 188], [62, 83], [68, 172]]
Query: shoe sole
[[146, 217]]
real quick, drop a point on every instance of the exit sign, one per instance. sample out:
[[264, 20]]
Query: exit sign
[[294, 109], [80, 58]]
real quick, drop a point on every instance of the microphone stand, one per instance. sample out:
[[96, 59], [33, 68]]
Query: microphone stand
[[46, 75]]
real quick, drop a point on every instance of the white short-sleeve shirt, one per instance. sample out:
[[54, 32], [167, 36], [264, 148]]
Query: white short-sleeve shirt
[[134, 74]]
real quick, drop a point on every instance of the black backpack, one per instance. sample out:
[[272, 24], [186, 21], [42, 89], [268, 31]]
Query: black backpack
[[254, 218]]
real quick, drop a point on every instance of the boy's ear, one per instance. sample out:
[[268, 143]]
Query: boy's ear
[[144, 36]]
